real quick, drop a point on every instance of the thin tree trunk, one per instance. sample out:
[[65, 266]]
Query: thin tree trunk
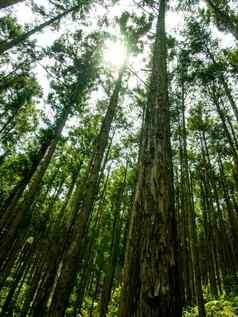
[[200, 298], [83, 201], [7, 45], [186, 200], [19, 188], [226, 130], [229, 96], [191, 213], [20, 211], [111, 267]]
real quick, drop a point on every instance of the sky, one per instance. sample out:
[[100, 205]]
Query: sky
[[23, 12], [174, 24]]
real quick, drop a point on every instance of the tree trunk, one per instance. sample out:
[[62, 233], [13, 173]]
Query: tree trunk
[[111, 267], [151, 286], [229, 96], [83, 202], [19, 188], [226, 130]]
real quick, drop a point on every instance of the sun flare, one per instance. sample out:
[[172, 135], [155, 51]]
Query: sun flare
[[115, 54]]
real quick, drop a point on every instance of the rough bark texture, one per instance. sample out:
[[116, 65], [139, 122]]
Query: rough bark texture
[[150, 287]]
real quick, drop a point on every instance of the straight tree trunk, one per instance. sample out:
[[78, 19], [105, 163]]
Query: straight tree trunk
[[186, 204], [208, 216], [83, 203], [150, 286], [229, 96], [191, 212], [198, 278], [111, 267], [226, 130]]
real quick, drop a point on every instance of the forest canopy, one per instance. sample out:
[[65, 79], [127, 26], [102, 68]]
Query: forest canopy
[[118, 158]]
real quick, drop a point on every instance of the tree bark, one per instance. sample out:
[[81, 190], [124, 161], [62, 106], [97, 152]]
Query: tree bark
[[150, 287]]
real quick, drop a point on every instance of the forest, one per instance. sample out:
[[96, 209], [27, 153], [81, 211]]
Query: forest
[[118, 158]]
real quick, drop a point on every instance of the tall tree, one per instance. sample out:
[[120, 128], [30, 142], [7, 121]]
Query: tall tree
[[19, 207], [150, 272], [82, 208]]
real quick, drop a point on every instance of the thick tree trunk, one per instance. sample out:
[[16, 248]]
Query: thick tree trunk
[[151, 288]]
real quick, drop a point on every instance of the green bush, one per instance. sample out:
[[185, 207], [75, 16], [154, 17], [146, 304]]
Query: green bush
[[223, 307]]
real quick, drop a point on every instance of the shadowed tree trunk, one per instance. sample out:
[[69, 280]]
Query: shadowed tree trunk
[[19, 212], [111, 266], [82, 207], [189, 205]]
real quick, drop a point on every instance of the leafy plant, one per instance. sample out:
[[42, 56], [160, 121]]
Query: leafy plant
[[222, 307]]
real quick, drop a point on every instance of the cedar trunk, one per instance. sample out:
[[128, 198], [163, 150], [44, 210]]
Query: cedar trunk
[[151, 287]]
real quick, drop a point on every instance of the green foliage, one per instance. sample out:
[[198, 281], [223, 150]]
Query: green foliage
[[114, 304], [73, 76], [9, 28], [222, 307]]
